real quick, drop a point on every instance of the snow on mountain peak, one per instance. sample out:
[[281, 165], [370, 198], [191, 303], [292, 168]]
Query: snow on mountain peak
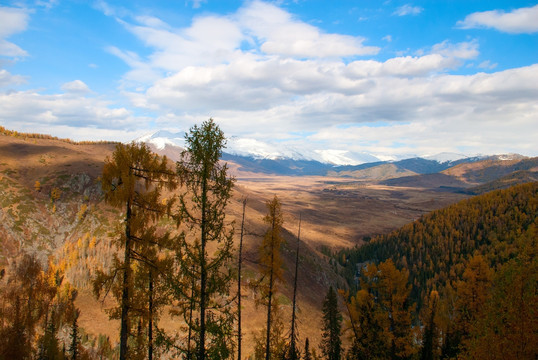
[[445, 157], [162, 138]]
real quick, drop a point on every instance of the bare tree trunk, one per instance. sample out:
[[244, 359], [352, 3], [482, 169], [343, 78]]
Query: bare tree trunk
[[268, 335], [150, 321], [239, 335], [293, 348], [203, 275], [124, 330], [189, 337]]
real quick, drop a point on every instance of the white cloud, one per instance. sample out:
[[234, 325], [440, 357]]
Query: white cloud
[[408, 9], [12, 21], [463, 50], [30, 109], [264, 29], [487, 65], [281, 34], [523, 20], [7, 79], [387, 38], [76, 87]]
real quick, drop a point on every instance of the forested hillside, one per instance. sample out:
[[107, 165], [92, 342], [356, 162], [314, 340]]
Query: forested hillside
[[471, 272]]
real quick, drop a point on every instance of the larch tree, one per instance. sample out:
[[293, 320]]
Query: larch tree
[[472, 292], [393, 296], [134, 180], [368, 325], [270, 269], [507, 325], [331, 344], [206, 244], [26, 297]]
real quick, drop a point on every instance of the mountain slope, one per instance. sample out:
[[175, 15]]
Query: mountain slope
[[435, 247]]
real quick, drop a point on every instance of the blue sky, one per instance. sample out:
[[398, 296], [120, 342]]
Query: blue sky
[[387, 78]]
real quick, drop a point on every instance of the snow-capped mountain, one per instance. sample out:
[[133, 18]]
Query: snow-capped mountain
[[267, 154], [265, 150], [445, 157]]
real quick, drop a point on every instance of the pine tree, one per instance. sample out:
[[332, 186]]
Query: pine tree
[[332, 323], [134, 180], [208, 189], [75, 337], [430, 338], [307, 354]]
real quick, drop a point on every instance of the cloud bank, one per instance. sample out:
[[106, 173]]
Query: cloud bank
[[264, 74]]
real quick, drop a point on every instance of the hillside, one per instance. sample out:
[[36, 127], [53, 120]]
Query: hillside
[[64, 220], [465, 278], [474, 177], [436, 247]]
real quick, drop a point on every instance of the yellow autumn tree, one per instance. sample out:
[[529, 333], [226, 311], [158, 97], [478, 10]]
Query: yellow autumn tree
[[133, 180]]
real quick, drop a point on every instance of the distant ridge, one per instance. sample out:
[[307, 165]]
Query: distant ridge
[[264, 157]]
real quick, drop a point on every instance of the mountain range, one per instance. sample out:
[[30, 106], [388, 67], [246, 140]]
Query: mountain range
[[272, 158]]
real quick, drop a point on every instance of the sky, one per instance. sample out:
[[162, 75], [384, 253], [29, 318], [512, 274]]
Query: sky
[[386, 78]]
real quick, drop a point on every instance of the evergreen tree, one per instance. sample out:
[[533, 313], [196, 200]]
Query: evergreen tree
[[430, 338], [331, 328], [133, 180], [75, 337], [48, 344], [208, 189], [307, 354]]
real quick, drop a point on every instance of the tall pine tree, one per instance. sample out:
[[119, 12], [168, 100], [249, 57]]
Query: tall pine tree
[[331, 344], [206, 246]]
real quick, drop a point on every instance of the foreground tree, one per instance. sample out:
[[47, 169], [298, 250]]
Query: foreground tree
[[133, 180], [293, 352], [267, 285], [206, 246], [239, 265], [331, 328]]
